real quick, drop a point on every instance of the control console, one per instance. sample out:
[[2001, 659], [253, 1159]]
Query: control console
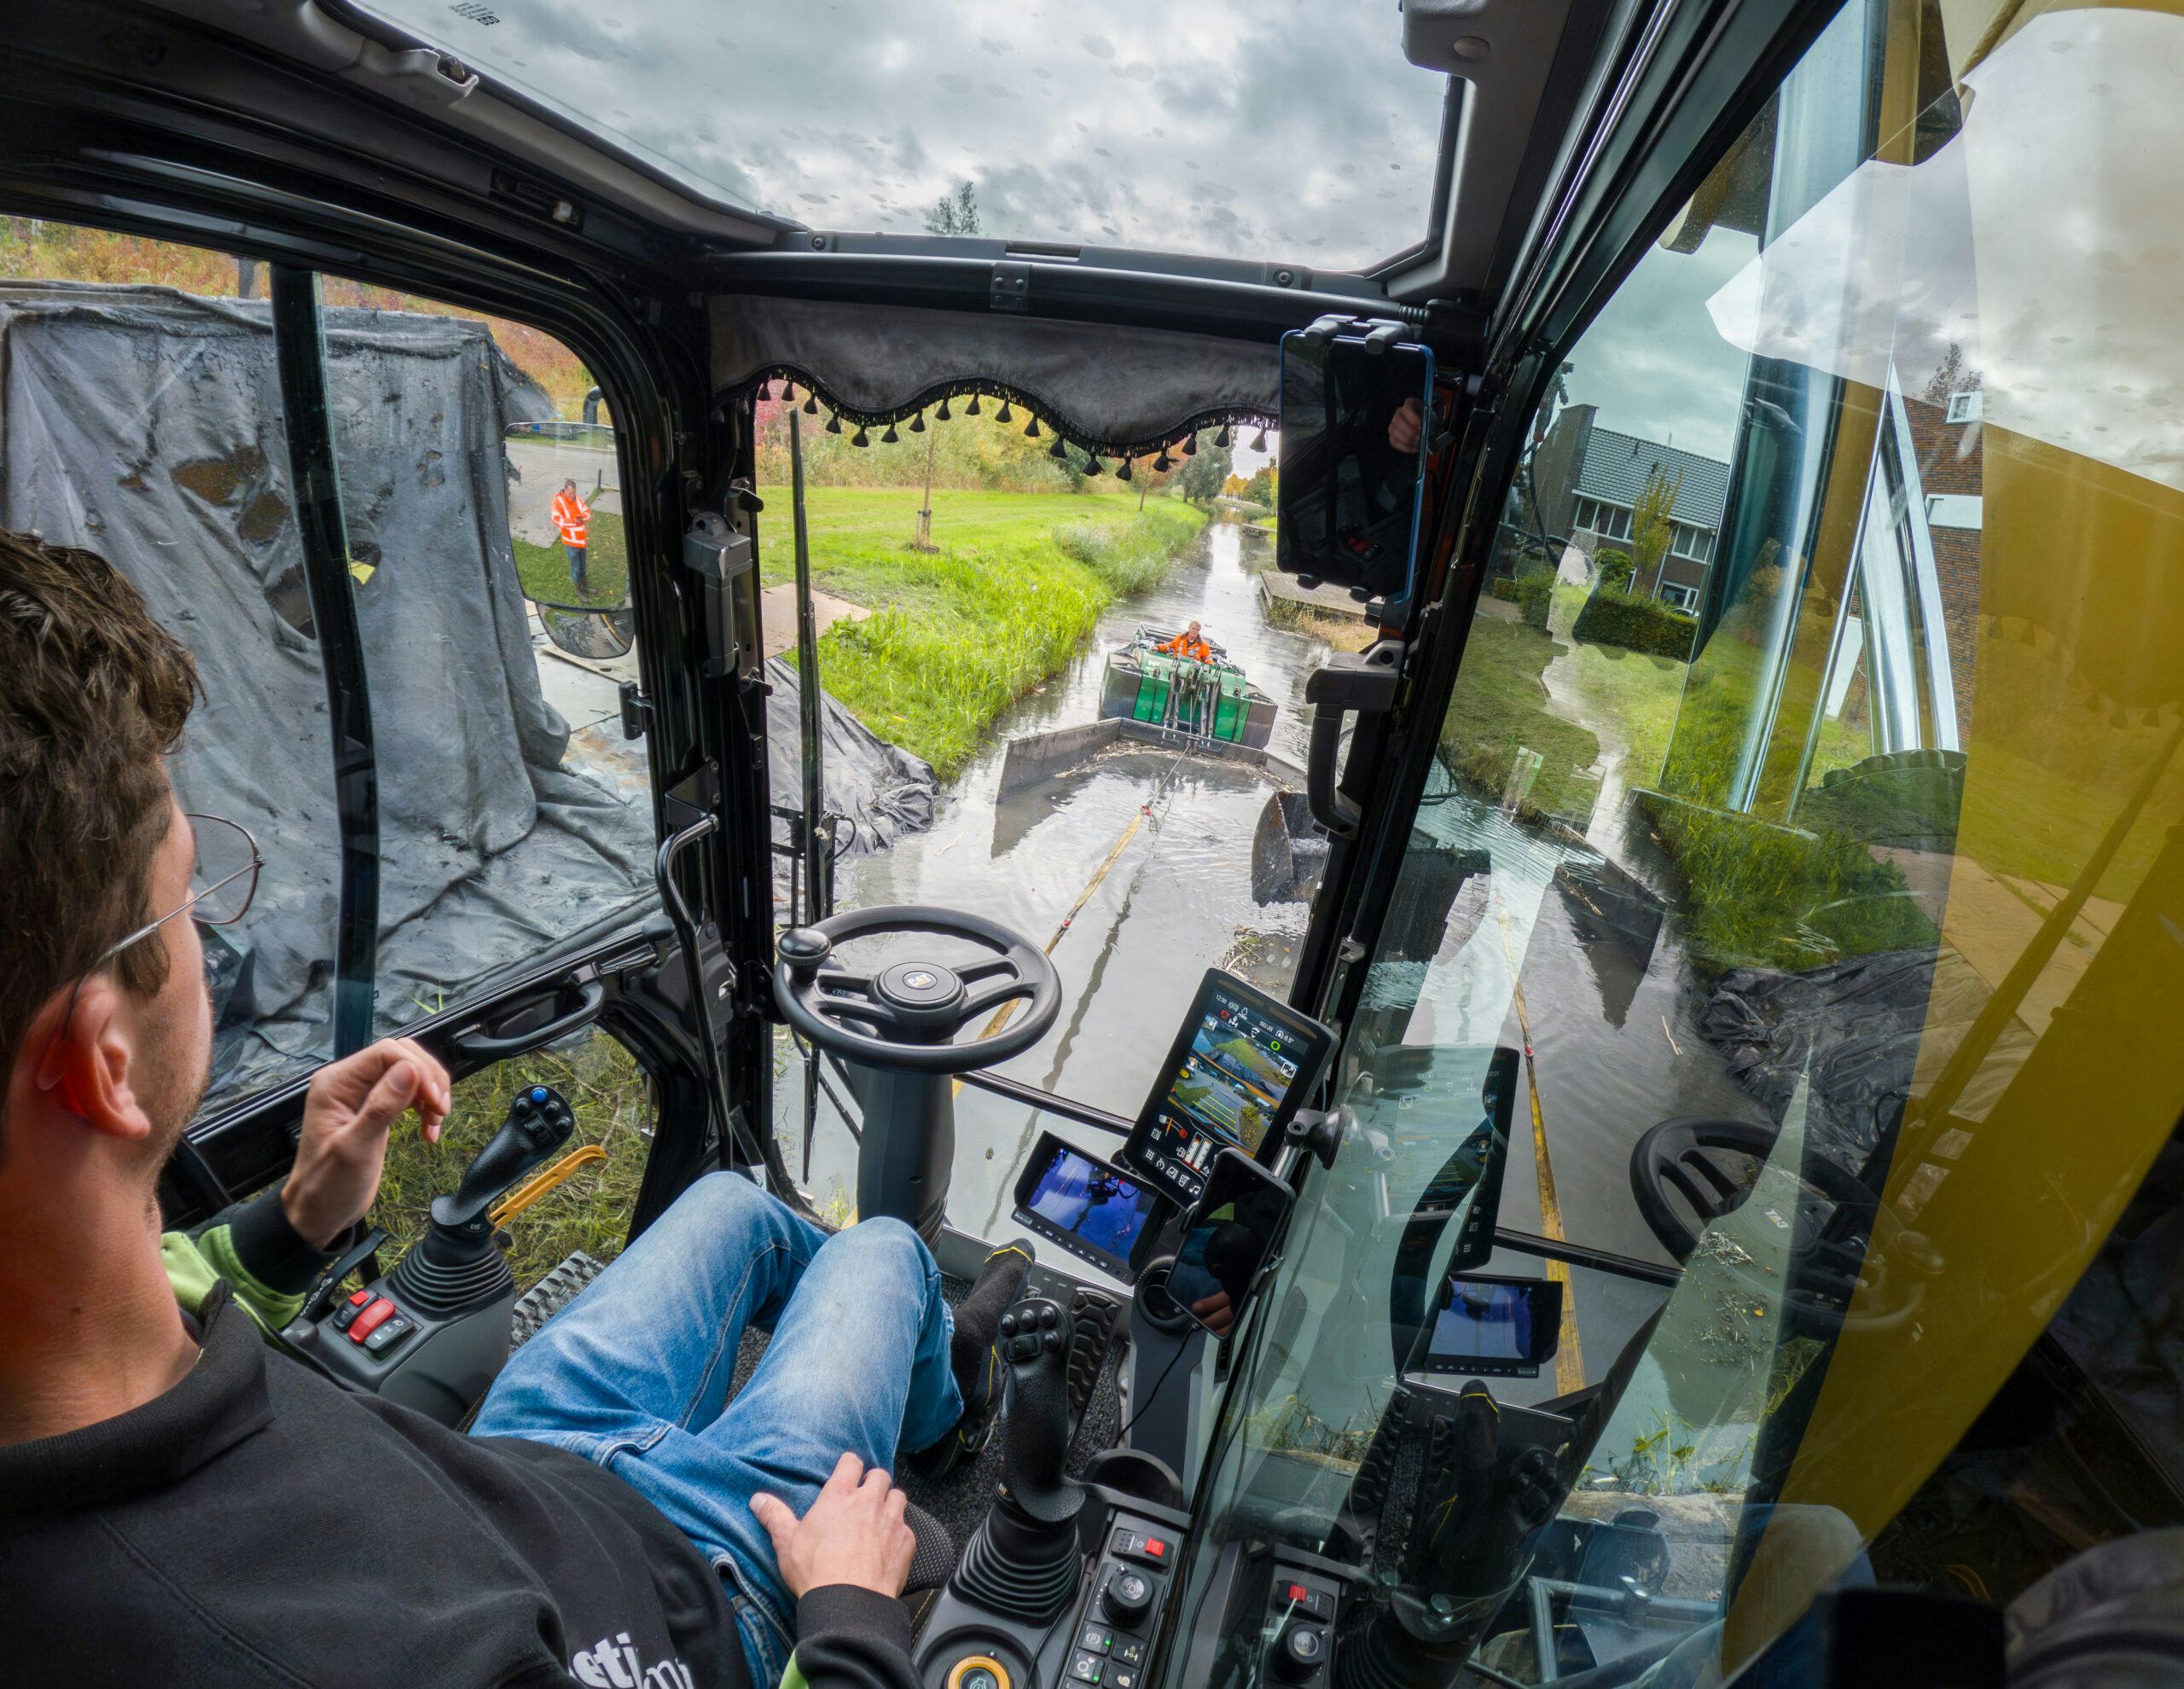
[[1102, 1641], [433, 1334], [1062, 1585]]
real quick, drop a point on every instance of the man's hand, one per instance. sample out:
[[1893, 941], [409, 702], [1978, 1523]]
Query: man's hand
[[352, 1106], [854, 1534], [1407, 423], [1215, 1313]]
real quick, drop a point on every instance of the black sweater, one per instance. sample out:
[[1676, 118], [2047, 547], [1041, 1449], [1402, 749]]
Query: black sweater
[[255, 1524]]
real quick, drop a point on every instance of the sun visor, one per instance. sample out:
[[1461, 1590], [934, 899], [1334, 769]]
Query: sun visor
[[1117, 393]]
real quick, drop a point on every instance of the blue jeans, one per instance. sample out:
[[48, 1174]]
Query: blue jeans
[[635, 1374]]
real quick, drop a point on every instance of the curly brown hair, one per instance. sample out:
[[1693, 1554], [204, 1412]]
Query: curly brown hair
[[93, 695]]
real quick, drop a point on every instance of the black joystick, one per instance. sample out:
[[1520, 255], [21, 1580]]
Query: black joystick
[[455, 1266], [1023, 1561]]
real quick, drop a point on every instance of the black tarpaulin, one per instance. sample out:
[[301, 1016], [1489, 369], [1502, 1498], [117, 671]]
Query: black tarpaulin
[[146, 425], [879, 790], [1109, 390]]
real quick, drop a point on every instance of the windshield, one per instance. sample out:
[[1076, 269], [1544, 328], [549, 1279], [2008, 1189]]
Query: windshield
[[1223, 129]]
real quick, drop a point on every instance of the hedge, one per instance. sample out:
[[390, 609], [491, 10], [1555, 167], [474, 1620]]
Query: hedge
[[1636, 623], [1534, 594], [1503, 587]]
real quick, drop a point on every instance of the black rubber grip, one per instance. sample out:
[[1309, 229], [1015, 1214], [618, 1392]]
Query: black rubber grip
[[1035, 1343]]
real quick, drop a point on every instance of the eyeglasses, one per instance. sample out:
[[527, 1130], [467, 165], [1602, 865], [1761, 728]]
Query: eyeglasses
[[222, 885]]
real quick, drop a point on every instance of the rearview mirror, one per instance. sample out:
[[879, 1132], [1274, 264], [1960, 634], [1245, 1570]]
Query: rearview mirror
[[582, 631], [1351, 462]]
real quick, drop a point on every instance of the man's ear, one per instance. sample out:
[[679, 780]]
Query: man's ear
[[88, 1062]]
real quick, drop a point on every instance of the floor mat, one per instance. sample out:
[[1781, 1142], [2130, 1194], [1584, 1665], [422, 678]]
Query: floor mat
[[959, 1500]]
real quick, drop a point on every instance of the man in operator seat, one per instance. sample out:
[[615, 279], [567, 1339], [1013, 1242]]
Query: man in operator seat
[[178, 1505], [1189, 643]]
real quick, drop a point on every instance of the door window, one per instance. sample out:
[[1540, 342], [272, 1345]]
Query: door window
[[514, 820], [1844, 906], [144, 422]]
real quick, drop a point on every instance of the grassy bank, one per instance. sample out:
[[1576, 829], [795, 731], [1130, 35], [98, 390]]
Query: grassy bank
[[1344, 633], [1499, 707], [1014, 584]]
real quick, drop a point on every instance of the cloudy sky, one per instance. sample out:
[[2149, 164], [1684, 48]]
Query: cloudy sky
[[1258, 129], [1655, 362]]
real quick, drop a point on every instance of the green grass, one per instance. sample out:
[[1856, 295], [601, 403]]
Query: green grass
[[1499, 707], [544, 569], [590, 1210], [1638, 691], [1763, 896], [1016, 582]]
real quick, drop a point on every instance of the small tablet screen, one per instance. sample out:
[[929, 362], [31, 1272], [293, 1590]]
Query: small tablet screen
[[1238, 1069], [1093, 1210]]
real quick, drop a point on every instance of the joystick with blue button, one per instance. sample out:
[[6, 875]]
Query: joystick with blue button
[[455, 1266]]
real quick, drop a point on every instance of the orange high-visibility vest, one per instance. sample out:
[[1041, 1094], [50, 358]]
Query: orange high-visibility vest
[[1184, 646], [570, 515]]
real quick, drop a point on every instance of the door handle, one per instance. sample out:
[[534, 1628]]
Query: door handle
[[475, 1041], [1364, 682]]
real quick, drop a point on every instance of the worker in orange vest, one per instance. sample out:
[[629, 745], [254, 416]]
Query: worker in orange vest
[[1188, 644], [572, 516]]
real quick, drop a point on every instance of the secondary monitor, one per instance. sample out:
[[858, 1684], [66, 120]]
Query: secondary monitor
[[1241, 1065], [1098, 1213]]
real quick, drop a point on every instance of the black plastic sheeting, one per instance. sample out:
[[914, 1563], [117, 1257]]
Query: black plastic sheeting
[[1854, 1029], [881, 791], [146, 424]]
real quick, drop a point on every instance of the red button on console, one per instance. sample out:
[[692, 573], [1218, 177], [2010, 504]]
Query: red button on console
[[1156, 1548], [358, 1298], [371, 1320]]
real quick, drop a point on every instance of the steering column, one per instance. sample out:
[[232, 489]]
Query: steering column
[[894, 1029]]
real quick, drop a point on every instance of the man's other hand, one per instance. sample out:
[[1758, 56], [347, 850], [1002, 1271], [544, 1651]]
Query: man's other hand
[[855, 1534], [1407, 423], [352, 1106]]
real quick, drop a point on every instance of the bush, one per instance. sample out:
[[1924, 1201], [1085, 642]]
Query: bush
[[1614, 617], [1534, 594], [1133, 555], [1614, 567], [1503, 587]]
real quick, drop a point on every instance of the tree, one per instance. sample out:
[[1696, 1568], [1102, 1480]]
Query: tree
[[1650, 527], [955, 213], [1261, 489], [1204, 471]]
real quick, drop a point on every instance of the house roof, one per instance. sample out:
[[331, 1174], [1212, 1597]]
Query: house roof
[[1617, 466]]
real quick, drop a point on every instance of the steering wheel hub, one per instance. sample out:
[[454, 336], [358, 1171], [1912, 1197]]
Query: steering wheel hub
[[921, 990]]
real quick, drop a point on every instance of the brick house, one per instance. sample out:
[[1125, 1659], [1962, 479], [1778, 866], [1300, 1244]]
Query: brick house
[[1588, 479], [1945, 442]]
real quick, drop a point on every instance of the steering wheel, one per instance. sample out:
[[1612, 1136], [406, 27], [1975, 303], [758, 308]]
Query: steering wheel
[[1845, 1243], [913, 1008]]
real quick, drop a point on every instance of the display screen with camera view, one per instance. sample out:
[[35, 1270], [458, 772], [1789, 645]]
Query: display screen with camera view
[[1240, 1067], [1096, 1212], [1501, 1328]]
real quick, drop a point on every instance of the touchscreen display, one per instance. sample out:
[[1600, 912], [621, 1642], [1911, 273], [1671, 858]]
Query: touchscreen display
[[1237, 1069], [1087, 1205], [1235, 1075]]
